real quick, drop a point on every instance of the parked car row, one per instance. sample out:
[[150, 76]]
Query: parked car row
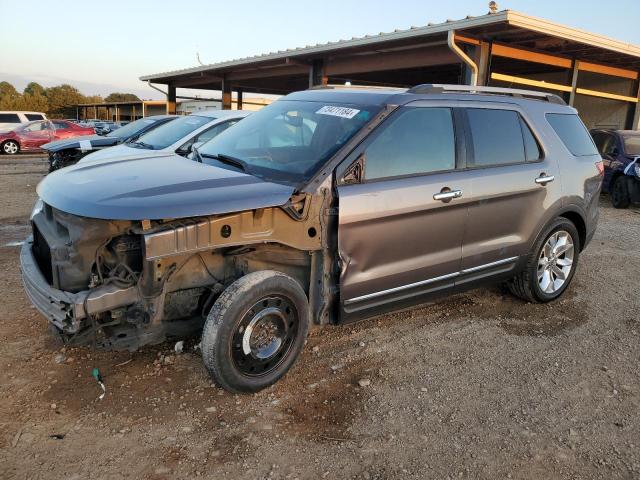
[[31, 136], [325, 207]]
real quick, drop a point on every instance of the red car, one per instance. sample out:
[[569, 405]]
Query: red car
[[30, 136]]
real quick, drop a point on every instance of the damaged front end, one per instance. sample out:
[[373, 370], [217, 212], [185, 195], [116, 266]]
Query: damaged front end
[[121, 284]]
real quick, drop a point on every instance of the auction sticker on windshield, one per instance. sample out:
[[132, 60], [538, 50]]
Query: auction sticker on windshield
[[342, 112]]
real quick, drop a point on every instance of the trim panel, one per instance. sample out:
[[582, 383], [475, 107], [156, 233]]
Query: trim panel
[[430, 280]]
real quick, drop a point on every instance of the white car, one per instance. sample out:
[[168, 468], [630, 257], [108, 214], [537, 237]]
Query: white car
[[175, 137], [11, 119]]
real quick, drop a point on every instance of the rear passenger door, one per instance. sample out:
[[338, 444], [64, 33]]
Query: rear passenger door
[[402, 211], [513, 186]]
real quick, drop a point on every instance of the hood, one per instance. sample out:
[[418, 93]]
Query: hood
[[155, 188], [123, 151], [89, 142]]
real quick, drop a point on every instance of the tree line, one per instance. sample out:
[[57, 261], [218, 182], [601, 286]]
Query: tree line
[[56, 102]]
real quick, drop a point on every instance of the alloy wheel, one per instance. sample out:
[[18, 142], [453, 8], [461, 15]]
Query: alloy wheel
[[555, 262], [10, 148]]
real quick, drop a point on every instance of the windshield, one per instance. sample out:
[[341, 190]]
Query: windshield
[[131, 128], [631, 144], [171, 132], [289, 140]]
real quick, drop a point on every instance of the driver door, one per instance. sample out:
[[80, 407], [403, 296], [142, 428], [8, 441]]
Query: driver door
[[402, 223], [35, 134]]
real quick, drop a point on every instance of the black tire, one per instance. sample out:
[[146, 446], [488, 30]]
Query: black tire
[[10, 147], [225, 340], [620, 193], [525, 284]]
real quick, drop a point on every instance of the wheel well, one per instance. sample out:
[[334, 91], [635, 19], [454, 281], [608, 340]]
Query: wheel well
[[578, 221]]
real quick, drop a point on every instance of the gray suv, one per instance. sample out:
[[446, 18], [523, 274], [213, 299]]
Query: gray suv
[[328, 206]]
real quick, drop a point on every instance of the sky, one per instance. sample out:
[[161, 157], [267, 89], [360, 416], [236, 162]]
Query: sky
[[101, 50]]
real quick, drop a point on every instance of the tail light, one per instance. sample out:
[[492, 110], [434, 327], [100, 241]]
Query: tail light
[[600, 167]]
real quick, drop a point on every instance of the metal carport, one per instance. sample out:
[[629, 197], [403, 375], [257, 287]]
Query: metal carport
[[596, 74]]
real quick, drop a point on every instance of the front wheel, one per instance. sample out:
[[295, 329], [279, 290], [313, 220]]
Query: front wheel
[[10, 147], [255, 331], [619, 193], [551, 264]]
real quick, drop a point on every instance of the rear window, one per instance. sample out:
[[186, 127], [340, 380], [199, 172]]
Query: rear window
[[9, 118], [34, 116], [573, 134]]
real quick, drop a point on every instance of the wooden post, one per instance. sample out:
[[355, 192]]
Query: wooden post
[[239, 102], [318, 74], [226, 94], [171, 99], [574, 82]]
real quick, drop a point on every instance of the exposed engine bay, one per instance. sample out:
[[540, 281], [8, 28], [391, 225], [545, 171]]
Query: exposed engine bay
[[120, 284]]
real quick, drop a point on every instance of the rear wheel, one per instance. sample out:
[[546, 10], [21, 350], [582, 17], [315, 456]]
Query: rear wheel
[[255, 331], [551, 264], [10, 147], [619, 193]]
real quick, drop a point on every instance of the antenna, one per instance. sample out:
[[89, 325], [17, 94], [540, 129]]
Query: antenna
[[198, 58]]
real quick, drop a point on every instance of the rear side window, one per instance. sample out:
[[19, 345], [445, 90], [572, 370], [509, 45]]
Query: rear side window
[[496, 136], [34, 116], [573, 133], [415, 141], [9, 118]]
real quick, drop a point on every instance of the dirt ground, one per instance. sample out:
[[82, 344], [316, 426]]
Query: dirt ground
[[479, 385]]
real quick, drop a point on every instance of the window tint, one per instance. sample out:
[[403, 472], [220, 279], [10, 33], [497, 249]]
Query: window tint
[[609, 145], [34, 116], [416, 140], [9, 118], [573, 133], [531, 148], [497, 137], [60, 125], [599, 139]]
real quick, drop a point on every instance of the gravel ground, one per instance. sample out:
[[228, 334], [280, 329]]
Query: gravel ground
[[479, 385]]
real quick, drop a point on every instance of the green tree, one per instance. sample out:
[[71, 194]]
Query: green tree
[[62, 100], [10, 98], [36, 102], [121, 97], [33, 88]]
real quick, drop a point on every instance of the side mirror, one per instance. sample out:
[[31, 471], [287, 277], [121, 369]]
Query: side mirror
[[193, 152]]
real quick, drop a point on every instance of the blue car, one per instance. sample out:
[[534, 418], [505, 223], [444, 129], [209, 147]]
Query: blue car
[[620, 151]]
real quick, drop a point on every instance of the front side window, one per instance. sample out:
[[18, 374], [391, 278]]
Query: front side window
[[214, 131], [289, 140], [416, 140], [572, 133], [496, 137], [60, 125], [35, 127], [171, 132]]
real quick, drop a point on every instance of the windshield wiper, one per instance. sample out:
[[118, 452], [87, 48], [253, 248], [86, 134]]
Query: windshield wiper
[[229, 160], [142, 145]]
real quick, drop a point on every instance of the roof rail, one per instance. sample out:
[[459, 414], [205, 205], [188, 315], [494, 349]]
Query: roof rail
[[340, 86], [441, 88]]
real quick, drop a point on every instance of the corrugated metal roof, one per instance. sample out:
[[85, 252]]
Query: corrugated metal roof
[[507, 16]]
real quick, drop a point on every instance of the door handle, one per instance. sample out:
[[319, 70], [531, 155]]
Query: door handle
[[447, 196], [543, 179]]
